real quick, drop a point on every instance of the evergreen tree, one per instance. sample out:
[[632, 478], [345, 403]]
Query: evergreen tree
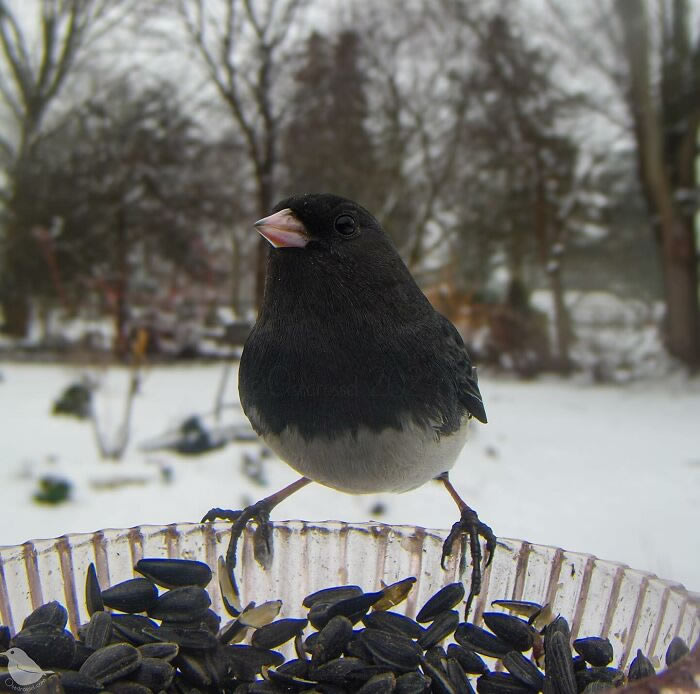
[[327, 146]]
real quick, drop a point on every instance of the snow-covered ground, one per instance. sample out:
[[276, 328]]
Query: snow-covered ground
[[610, 470]]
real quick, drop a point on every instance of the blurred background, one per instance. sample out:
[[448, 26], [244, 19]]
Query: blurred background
[[535, 163]]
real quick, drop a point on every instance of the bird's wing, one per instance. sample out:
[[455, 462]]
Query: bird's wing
[[469, 393]]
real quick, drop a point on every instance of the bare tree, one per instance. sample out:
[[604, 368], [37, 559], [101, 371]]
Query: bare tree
[[33, 71], [649, 56], [666, 122], [241, 45]]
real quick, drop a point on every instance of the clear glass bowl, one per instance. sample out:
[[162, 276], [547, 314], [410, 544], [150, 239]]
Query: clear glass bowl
[[599, 598]]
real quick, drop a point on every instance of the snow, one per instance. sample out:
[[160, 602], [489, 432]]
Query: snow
[[609, 470]]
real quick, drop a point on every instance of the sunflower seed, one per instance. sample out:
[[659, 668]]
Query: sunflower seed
[[182, 604], [52, 613], [640, 667], [594, 650], [469, 660], [379, 684], [112, 663], [457, 676], [558, 661], [132, 626], [445, 599], [393, 622], [174, 573], [500, 683], [513, 630], [479, 640], [391, 650], [93, 594], [331, 640], [159, 649], [412, 683], [523, 670], [276, 633], [443, 625], [134, 595], [676, 650], [99, 630], [46, 644]]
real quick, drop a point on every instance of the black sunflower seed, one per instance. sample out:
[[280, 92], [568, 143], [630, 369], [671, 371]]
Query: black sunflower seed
[[440, 680], [134, 595], [131, 627], [640, 667], [93, 593], [276, 633], [676, 650], [558, 663], [608, 675], [99, 630], [76, 683], [112, 663], [289, 682], [159, 649], [383, 683], [391, 650], [469, 660], [457, 676], [479, 640], [594, 650], [52, 613], [523, 669], [128, 687], [331, 595], [183, 604], [336, 671], [174, 573], [500, 683], [154, 673], [47, 645], [354, 608], [524, 608], [296, 667], [445, 599], [394, 622], [412, 683], [436, 656], [443, 625], [513, 630], [331, 640], [188, 639]]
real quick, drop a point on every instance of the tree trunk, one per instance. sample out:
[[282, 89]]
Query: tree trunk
[[659, 169], [681, 287], [121, 288]]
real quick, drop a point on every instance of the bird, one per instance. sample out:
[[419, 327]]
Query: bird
[[349, 374], [22, 668]]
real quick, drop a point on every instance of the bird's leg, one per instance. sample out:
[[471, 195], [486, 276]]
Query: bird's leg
[[260, 513], [469, 525]]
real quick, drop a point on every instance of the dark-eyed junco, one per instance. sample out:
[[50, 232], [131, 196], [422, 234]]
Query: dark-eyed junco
[[349, 374]]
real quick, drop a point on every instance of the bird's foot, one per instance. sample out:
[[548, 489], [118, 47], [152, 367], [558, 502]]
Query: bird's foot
[[262, 539], [215, 514], [470, 526]]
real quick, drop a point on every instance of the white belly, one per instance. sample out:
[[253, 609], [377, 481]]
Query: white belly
[[386, 461]]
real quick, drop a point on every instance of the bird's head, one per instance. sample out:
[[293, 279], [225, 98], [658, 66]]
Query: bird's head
[[320, 221], [331, 253]]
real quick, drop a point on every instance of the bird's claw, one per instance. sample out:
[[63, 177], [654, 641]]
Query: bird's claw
[[215, 514], [470, 525]]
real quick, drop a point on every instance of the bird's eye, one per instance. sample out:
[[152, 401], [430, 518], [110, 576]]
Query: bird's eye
[[345, 225]]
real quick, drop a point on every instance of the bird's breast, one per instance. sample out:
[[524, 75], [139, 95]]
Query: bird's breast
[[367, 461]]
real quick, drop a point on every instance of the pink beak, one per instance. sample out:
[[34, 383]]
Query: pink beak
[[283, 230]]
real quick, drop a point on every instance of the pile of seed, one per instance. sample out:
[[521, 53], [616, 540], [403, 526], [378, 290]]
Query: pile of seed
[[172, 641]]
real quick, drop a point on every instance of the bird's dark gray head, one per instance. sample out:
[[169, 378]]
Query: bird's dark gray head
[[321, 221]]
